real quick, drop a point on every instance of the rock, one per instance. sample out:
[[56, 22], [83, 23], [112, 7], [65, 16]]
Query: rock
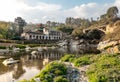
[[109, 46]]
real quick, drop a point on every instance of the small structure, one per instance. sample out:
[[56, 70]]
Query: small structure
[[41, 33]]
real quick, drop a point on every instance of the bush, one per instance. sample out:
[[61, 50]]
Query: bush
[[85, 60], [68, 58], [20, 46], [16, 38], [51, 71], [106, 68], [60, 79], [2, 47], [24, 80]]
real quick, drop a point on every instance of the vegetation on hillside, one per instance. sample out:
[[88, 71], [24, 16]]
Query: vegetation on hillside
[[102, 67], [88, 34], [8, 30], [110, 17], [115, 35]]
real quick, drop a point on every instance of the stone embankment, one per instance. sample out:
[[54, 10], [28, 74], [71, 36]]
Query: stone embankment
[[109, 46]]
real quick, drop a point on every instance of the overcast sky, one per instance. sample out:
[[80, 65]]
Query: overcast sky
[[37, 11]]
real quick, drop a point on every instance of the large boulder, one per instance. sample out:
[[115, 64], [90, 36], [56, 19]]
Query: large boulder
[[109, 46]]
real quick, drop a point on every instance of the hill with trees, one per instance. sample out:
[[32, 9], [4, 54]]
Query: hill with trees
[[109, 18]]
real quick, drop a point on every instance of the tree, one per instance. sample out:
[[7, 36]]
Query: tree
[[112, 12], [102, 17], [64, 29], [12, 31], [21, 23], [4, 29]]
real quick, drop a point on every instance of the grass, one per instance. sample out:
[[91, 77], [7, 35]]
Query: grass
[[20, 46], [78, 61], [106, 68], [67, 58], [102, 67]]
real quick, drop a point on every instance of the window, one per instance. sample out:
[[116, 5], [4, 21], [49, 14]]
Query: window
[[30, 37], [40, 37], [36, 37]]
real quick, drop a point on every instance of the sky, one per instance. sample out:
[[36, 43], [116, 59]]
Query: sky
[[40, 11]]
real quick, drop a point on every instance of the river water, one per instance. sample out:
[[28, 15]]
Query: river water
[[29, 65]]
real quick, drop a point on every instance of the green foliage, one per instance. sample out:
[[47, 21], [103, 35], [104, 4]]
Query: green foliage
[[85, 60], [102, 67], [67, 58], [3, 29], [67, 30], [60, 79], [24, 80], [20, 46], [51, 71], [31, 80], [112, 12], [77, 22], [58, 72], [80, 61], [2, 47], [105, 68], [16, 38]]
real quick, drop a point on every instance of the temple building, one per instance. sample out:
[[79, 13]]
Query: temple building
[[41, 33]]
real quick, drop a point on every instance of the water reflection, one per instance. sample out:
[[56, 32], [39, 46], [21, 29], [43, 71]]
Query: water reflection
[[30, 65], [18, 71]]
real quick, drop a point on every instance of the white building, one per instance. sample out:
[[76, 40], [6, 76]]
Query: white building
[[42, 33]]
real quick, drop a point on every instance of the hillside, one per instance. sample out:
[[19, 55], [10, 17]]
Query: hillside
[[112, 31]]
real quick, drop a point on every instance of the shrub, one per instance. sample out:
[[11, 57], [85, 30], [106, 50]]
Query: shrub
[[67, 58], [60, 79], [82, 61], [2, 47], [106, 68], [51, 70], [20, 46], [24, 80]]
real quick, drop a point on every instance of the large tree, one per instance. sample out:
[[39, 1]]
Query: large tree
[[21, 23], [112, 12]]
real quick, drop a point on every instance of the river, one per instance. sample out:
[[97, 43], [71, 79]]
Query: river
[[29, 65]]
